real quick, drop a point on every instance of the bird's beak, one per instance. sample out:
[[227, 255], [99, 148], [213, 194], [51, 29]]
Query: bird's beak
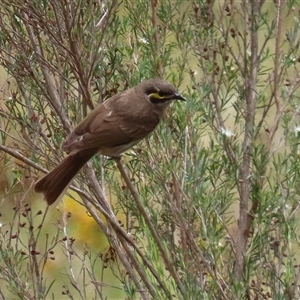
[[178, 97]]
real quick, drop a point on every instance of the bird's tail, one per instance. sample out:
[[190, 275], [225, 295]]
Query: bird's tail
[[54, 184]]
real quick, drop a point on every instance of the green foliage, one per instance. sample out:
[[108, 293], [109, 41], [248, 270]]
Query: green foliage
[[211, 199]]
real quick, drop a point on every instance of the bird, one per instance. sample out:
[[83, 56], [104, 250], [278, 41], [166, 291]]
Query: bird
[[110, 129]]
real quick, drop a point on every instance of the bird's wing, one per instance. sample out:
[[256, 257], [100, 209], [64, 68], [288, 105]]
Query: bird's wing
[[107, 127]]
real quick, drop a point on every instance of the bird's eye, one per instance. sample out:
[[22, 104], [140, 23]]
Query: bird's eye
[[161, 94]]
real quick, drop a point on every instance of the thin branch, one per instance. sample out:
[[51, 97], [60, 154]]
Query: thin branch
[[103, 206], [21, 157], [168, 262], [245, 168], [156, 40]]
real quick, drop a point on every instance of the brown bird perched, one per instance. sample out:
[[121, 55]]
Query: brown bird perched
[[110, 129]]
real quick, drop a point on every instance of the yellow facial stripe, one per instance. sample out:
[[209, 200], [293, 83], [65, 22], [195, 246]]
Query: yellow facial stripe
[[156, 96]]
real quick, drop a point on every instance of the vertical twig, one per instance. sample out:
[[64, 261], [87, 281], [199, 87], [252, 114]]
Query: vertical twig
[[245, 168], [279, 107], [156, 52]]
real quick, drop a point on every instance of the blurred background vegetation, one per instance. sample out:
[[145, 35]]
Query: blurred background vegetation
[[207, 207]]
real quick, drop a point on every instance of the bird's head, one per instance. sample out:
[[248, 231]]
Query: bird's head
[[160, 92]]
